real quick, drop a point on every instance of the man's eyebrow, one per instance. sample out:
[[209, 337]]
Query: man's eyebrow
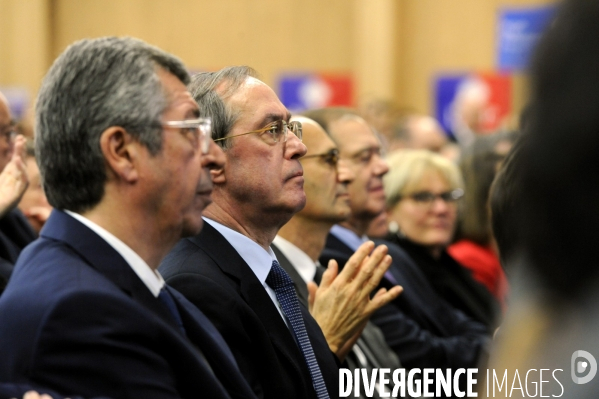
[[194, 112], [361, 152], [269, 118]]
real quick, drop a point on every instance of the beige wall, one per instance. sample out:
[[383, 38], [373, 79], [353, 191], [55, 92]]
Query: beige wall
[[445, 36], [269, 35], [24, 42], [393, 47]]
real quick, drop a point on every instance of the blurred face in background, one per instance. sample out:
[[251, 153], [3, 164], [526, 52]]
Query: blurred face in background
[[422, 215], [6, 127], [360, 146], [326, 176], [34, 203]]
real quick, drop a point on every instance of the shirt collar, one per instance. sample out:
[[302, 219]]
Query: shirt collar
[[298, 258], [151, 278], [257, 258], [348, 237]]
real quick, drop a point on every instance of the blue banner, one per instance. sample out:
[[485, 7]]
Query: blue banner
[[519, 32]]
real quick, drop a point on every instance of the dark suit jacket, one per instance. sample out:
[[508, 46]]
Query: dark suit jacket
[[422, 329], [453, 282], [76, 319], [214, 277], [369, 352], [15, 234]]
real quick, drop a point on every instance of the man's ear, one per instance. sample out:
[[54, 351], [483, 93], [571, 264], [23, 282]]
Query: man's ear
[[121, 153]]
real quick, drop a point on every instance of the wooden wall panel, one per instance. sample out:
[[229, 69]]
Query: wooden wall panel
[[269, 35], [393, 47], [24, 42]]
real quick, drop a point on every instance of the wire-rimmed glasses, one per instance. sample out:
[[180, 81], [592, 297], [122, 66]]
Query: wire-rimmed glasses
[[330, 157], [275, 131]]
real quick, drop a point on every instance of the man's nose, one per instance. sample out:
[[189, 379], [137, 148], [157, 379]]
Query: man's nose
[[381, 167], [215, 158], [294, 148], [344, 173]]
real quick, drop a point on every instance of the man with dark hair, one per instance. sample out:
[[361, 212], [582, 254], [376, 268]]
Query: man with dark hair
[[125, 162], [422, 329], [279, 346]]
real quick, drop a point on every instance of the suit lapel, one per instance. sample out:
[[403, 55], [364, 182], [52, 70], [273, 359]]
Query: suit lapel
[[105, 259], [203, 333], [250, 288]]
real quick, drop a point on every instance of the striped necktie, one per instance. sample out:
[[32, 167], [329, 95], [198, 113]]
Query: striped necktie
[[281, 283]]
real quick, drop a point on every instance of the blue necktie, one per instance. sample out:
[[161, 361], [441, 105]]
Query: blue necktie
[[169, 302], [281, 283]]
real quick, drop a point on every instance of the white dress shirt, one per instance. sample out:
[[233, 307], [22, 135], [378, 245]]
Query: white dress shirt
[[151, 278], [300, 261], [257, 258]]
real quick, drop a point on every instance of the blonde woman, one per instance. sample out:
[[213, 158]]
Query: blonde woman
[[423, 190]]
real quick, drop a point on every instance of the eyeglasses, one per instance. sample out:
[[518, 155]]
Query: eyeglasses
[[330, 157], [275, 130], [200, 129], [366, 155], [427, 198]]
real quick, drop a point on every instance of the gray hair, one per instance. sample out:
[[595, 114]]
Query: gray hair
[[212, 99], [93, 85]]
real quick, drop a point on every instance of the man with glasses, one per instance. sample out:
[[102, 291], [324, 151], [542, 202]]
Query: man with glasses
[[229, 270], [422, 329], [125, 162], [15, 231], [300, 242]]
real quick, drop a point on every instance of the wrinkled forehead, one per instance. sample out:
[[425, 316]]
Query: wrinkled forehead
[[257, 104], [353, 135], [314, 136]]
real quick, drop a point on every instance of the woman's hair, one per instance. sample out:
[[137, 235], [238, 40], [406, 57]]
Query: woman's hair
[[408, 167]]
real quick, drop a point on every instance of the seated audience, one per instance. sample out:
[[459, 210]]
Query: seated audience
[[85, 313], [421, 328], [282, 350], [301, 240], [422, 191]]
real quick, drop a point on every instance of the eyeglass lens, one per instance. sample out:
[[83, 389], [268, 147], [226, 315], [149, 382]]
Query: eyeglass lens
[[426, 197]]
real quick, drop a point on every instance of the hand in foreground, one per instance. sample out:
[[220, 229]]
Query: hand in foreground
[[342, 305], [13, 179]]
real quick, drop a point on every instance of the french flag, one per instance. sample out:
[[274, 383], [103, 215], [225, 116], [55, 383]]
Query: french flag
[[299, 92]]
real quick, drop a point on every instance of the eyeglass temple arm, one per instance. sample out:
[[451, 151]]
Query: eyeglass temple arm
[[243, 134]]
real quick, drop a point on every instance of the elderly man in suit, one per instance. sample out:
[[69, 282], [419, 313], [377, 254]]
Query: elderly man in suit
[[279, 346], [125, 161]]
